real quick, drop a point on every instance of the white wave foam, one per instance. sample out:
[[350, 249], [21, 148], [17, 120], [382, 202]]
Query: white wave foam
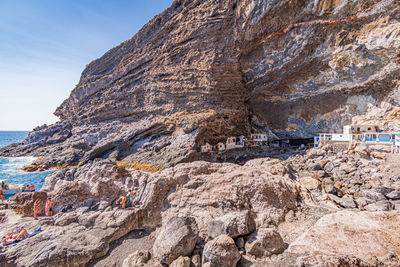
[[12, 165]]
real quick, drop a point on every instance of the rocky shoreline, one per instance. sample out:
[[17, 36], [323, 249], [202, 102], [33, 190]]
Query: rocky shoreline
[[267, 212]]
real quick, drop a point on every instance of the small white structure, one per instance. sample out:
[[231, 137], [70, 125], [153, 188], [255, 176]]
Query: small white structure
[[233, 142], [363, 133], [206, 148], [220, 147], [258, 137], [396, 145]]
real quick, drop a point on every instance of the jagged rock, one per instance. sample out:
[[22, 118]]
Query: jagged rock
[[221, 251], [208, 191], [330, 189], [232, 224], [3, 217], [309, 183], [362, 151], [347, 201], [181, 262], [264, 242], [382, 205], [394, 195], [369, 233], [240, 242], [86, 185], [372, 195], [329, 167], [362, 202], [177, 238], [195, 261], [137, 258]]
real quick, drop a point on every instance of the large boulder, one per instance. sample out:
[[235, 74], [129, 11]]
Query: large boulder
[[177, 238], [232, 224], [365, 235], [221, 252], [264, 242], [208, 191], [181, 262], [100, 180]]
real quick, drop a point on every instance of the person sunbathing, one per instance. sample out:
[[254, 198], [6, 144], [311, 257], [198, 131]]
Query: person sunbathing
[[9, 238], [30, 188], [121, 200]]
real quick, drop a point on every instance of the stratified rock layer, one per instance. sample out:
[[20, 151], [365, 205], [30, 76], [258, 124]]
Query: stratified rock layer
[[205, 70]]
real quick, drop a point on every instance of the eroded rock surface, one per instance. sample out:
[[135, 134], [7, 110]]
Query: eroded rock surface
[[177, 238], [232, 224], [363, 235]]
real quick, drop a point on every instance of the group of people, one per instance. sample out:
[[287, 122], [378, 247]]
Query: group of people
[[122, 199], [4, 185], [30, 188], [48, 210]]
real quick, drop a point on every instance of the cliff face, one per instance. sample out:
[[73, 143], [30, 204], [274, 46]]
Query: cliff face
[[311, 66], [204, 70]]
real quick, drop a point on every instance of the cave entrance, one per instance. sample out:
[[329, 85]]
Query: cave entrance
[[304, 141]]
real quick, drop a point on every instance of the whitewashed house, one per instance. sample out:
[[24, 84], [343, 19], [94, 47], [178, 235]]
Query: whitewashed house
[[234, 142], [362, 133], [259, 138]]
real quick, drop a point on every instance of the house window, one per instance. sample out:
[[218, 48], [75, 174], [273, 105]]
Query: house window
[[369, 129]]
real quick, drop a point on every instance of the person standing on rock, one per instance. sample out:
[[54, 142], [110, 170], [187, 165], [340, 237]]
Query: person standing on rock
[[49, 207], [2, 197], [131, 197], [35, 209], [121, 200]]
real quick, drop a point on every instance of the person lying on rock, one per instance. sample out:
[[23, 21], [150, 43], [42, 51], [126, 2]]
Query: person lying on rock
[[121, 200], [30, 188], [35, 209], [49, 207], [9, 238]]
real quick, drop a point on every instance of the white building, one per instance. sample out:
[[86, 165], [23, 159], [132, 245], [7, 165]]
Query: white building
[[363, 133], [234, 142], [259, 137]]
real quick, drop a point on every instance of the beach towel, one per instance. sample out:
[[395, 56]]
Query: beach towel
[[30, 234]]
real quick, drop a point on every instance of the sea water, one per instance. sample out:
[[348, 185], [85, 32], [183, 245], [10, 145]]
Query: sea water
[[10, 167]]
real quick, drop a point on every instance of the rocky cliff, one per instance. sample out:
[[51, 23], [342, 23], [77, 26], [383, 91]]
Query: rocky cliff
[[204, 70]]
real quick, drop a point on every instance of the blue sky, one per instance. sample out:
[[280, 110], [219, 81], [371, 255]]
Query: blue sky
[[46, 44]]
